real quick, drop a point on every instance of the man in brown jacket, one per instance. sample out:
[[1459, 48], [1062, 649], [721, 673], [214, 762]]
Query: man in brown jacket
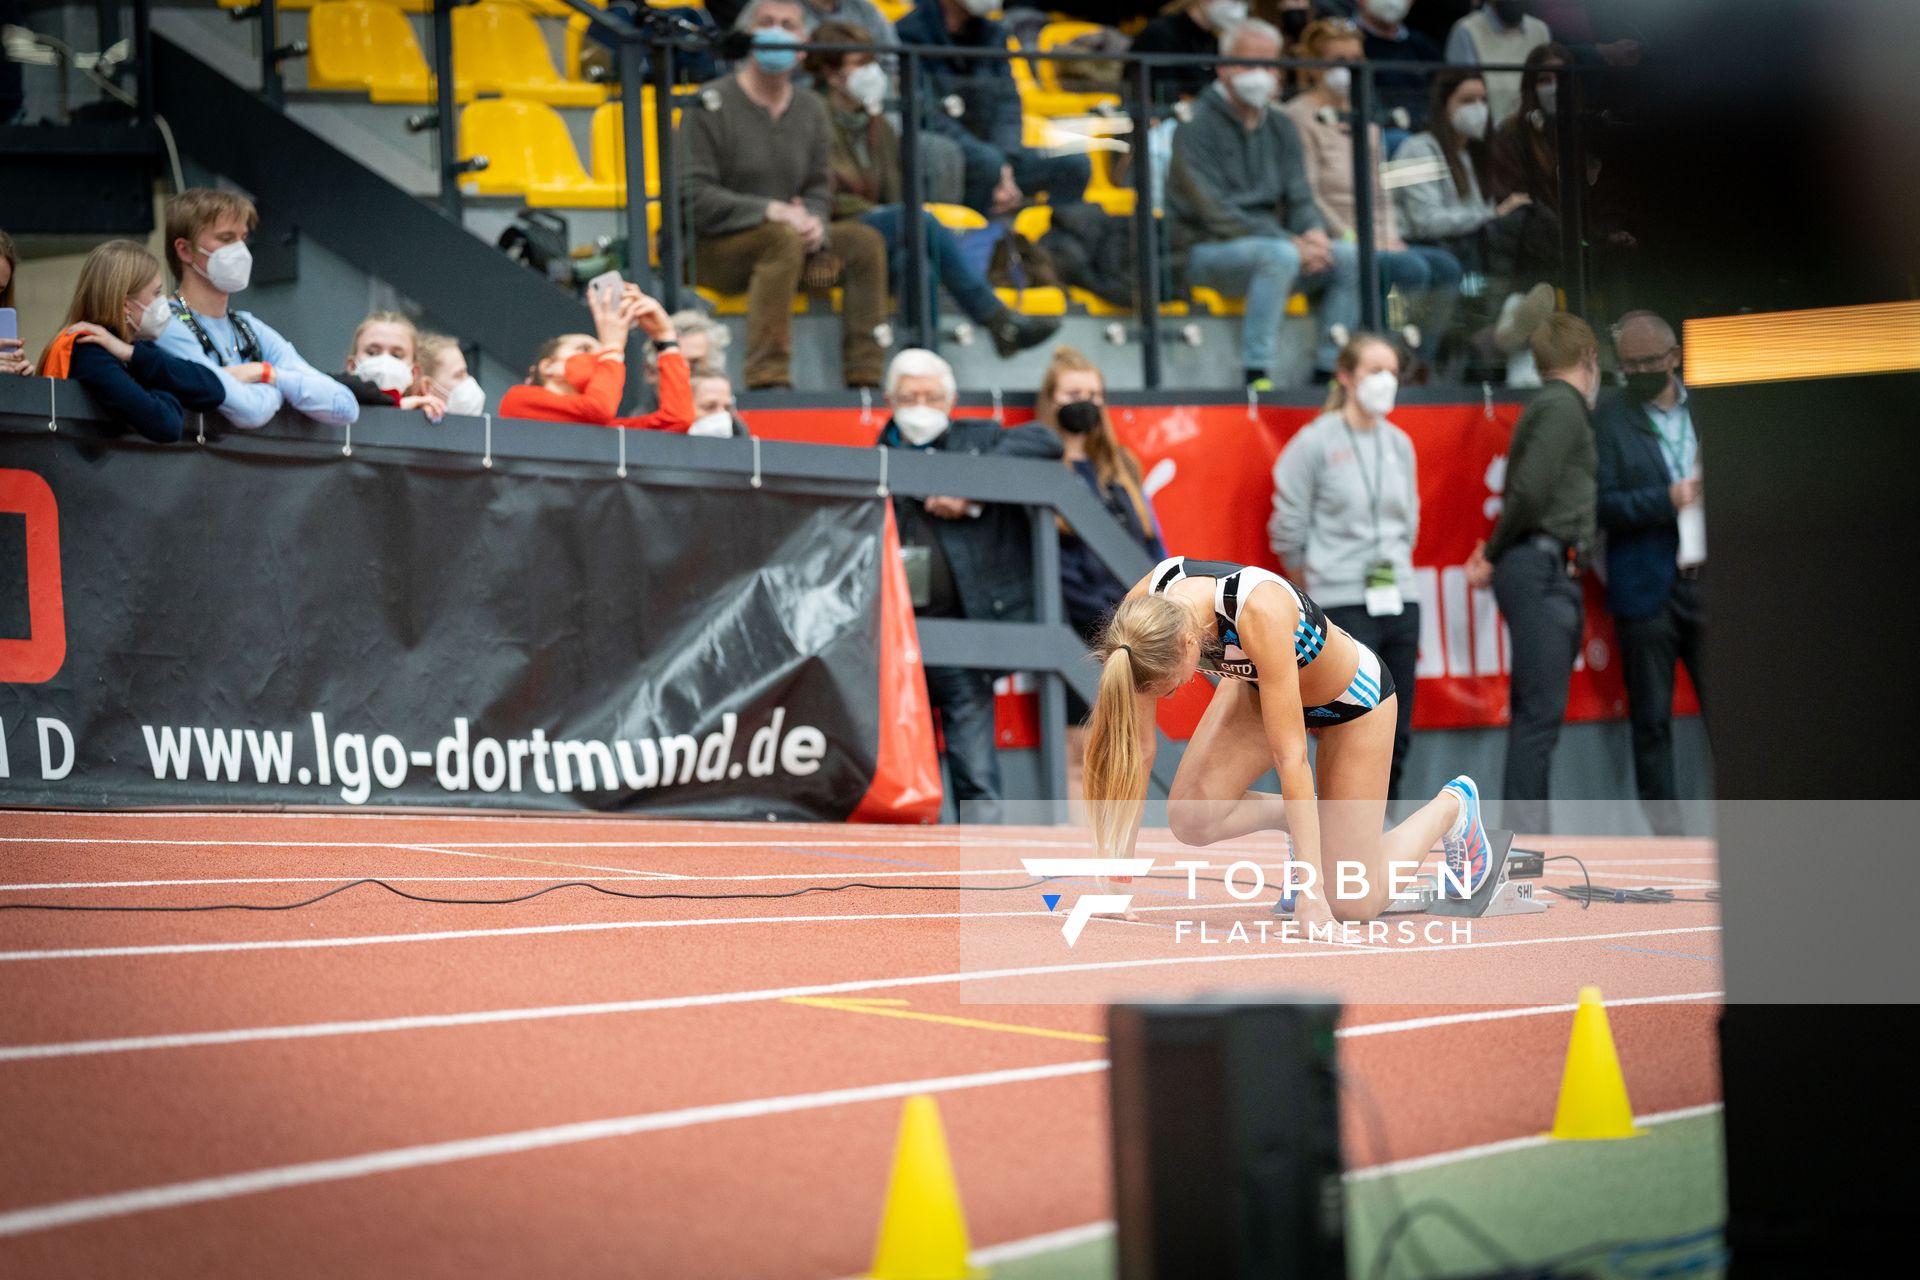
[[759, 195]]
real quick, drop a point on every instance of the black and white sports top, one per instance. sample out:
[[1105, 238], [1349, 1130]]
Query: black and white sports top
[[1232, 583]]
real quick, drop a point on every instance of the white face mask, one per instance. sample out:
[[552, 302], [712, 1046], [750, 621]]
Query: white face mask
[[1549, 97], [920, 423], [152, 320], [1339, 80], [1388, 12], [229, 267], [980, 8], [384, 371], [717, 425], [465, 397], [1226, 14], [868, 86], [1255, 86], [1471, 121], [1375, 392]]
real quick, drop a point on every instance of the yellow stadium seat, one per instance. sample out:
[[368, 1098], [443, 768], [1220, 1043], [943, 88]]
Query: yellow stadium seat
[[498, 48], [955, 217], [1217, 303], [1033, 222], [1043, 301], [1040, 91], [361, 47], [893, 10], [555, 9], [1095, 304], [610, 148], [529, 153], [735, 304]]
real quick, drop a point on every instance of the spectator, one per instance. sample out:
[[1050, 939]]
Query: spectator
[[1526, 149], [1241, 217], [965, 559], [1428, 276], [693, 59], [1191, 27], [581, 377], [713, 407], [862, 15], [106, 345], [13, 356], [1537, 551], [867, 186], [703, 345], [1648, 476], [1386, 37], [1001, 170], [1500, 33], [444, 373], [758, 189], [383, 366], [1446, 174], [1346, 516], [207, 234], [1072, 402]]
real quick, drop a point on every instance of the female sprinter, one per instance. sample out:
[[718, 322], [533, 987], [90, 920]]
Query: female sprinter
[[1285, 670]]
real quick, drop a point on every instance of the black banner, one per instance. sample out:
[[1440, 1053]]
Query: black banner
[[232, 626]]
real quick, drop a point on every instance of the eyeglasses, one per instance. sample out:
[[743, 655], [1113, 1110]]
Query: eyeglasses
[[1646, 364]]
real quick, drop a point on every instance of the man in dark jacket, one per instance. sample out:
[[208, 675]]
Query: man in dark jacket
[[1001, 171], [964, 560], [1241, 217], [1536, 553], [1649, 483]]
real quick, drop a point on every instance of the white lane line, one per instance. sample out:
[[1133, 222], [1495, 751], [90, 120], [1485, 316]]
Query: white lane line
[[1499, 1015], [435, 1021], [1441, 1158], [596, 926], [932, 873], [204, 1190], [540, 862], [1052, 1241]]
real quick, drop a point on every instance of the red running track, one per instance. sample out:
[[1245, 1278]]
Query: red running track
[[589, 1086]]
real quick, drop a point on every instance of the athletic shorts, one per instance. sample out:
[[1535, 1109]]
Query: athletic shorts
[[1372, 684]]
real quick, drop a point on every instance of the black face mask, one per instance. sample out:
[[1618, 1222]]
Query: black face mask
[[1510, 11], [1293, 22], [1077, 417], [1645, 386]]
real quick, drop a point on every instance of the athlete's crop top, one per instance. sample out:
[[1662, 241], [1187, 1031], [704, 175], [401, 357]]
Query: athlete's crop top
[[1232, 583]]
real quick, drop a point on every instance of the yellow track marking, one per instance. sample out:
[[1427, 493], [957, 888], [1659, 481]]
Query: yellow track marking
[[877, 1007]]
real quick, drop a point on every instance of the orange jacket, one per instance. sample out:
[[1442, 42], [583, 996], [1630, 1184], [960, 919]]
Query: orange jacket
[[58, 358], [601, 382], [676, 398]]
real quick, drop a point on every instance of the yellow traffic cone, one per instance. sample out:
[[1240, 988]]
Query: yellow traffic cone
[[923, 1230], [1593, 1095]]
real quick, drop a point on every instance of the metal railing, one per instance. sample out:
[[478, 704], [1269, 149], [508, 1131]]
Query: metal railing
[[1044, 645]]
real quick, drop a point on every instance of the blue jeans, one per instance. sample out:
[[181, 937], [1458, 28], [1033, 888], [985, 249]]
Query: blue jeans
[[968, 287], [963, 700], [1430, 279], [1063, 179], [1265, 270]]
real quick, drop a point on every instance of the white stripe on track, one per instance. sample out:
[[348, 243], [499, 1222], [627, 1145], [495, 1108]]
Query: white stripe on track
[[204, 1190], [1500, 1015], [543, 862], [525, 930], [1440, 1159], [424, 1022]]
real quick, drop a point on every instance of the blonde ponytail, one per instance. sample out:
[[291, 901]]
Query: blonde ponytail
[[1141, 652]]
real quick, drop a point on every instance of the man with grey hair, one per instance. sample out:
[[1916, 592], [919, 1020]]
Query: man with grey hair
[[759, 196], [1241, 217], [965, 559], [1647, 473]]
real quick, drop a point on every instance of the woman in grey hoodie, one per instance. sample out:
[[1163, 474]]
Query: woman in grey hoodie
[[1346, 514]]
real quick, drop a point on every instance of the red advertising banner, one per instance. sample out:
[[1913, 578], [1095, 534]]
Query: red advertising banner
[[1209, 472]]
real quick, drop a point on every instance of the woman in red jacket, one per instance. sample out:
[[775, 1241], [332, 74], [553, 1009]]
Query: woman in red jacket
[[581, 377]]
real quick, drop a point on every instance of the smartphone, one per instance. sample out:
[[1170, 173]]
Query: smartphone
[[9, 323], [607, 282]]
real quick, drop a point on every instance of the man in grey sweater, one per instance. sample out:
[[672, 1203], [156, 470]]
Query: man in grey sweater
[[760, 200], [1241, 217]]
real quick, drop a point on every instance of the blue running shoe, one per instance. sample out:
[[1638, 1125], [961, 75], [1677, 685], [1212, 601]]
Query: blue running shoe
[[1468, 855]]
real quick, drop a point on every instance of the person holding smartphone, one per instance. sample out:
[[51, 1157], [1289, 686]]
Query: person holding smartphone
[[581, 377], [13, 356]]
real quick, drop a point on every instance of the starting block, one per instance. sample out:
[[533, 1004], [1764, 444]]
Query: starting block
[[1506, 891]]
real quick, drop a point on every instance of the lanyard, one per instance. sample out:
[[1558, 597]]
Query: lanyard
[[1373, 485], [1675, 447], [246, 346]]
